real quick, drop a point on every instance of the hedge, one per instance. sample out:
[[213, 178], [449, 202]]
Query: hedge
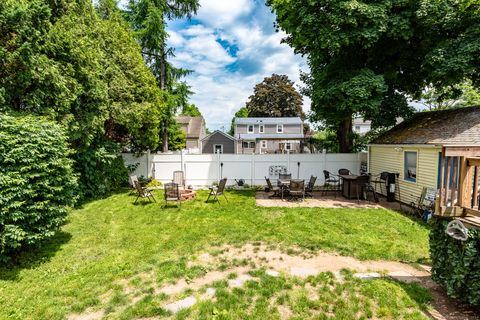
[[37, 184], [455, 263]]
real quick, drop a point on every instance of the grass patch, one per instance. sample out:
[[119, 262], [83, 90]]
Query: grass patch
[[112, 239]]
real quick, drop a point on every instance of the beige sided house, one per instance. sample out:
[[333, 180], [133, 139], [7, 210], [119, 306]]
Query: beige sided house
[[194, 128], [429, 150], [269, 135]]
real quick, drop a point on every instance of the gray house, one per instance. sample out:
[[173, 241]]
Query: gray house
[[218, 142], [269, 135], [194, 129]]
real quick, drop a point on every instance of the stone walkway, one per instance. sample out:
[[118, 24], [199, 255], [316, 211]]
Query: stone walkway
[[324, 201], [302, 265]]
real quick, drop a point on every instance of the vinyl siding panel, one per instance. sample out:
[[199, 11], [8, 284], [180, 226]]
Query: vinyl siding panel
[[218, 138], [386, 158]]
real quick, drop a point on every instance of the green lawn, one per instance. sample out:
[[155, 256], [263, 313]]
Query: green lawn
[[112, 239]]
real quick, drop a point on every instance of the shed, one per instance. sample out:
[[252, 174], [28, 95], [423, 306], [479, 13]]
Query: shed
[[438, 149], [218, 142]]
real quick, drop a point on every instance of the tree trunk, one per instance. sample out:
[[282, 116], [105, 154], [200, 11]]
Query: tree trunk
[[344, 135], [163, 81]]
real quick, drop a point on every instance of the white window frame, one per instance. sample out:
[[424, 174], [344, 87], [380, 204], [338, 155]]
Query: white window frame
[[261, 128], [250, 126], [405, 178], [263, 144], [288, 146], [279, 128], [250, 144], [215, 148]]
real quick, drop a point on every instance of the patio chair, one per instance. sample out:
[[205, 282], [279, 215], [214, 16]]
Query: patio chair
[[271, 188], [331, 183], [218, 191], [131, 181], [179, 178], [143, 193], [172, 193], [426, 201], [380, 179], [296, 190], [310, 186], [363, 186]]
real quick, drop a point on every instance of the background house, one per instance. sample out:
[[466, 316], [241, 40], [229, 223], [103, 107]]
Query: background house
[[194, 128], [269, 135], [218, 142], [431, 150], [361, 126]]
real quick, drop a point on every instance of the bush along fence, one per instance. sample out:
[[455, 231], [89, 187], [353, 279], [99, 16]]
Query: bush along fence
[[37, 183], [455, 263]]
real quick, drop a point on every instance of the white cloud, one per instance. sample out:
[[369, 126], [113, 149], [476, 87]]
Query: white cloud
[[231, 47], [222, 13]]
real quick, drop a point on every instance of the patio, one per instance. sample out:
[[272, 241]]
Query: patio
[[326, 201]]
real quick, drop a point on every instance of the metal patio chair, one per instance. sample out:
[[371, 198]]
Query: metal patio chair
[[179, 178], [380, 179], [363, 186], [310, 186], [218, 191], [172, 193], [297, 190], [276, 190], [143, 193], [331, 183]]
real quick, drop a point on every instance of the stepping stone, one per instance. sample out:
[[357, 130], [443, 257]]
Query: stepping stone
[[303, 272], [338, 276], [272, 273], [210, 293], [367, 276], [237, 283], [181, 304], [403, 276]]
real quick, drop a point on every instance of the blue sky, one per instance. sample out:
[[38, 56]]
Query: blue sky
[[231, 45]]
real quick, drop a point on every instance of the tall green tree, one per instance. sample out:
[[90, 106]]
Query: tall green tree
[[191, 110], [82, 68], [275, 96], [367, 57], [458, 96], [149, 19], [241, 113]]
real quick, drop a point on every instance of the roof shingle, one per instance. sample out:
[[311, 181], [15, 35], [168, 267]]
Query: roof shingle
[[453, 127]]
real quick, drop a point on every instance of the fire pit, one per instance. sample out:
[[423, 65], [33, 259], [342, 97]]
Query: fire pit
[[187, 194]]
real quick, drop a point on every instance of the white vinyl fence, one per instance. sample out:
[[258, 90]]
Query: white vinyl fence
[[204, 169]]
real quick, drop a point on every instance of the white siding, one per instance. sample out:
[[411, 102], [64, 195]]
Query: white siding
[[387, 158]]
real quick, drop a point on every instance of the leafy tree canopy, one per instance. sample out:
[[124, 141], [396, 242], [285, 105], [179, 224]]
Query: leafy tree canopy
[[275, 96], [367, 57], [241, 113], [191, 110], [457, 96], [82, 68]]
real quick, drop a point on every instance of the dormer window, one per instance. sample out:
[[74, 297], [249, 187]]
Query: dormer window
[[250, 128], [279, 128], [261, 128]]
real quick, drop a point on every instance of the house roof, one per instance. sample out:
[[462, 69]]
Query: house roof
[[289, 120], [194, 125], [455, 127], [219, 132], [253, 136]]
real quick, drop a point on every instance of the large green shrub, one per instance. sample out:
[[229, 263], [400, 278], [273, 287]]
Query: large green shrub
[[456, 264], [37, 184]]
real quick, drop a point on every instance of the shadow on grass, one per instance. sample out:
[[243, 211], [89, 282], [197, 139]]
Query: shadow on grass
[[33, 256]]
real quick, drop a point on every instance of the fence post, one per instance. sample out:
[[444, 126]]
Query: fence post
[[252, 173], [148, 175]]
